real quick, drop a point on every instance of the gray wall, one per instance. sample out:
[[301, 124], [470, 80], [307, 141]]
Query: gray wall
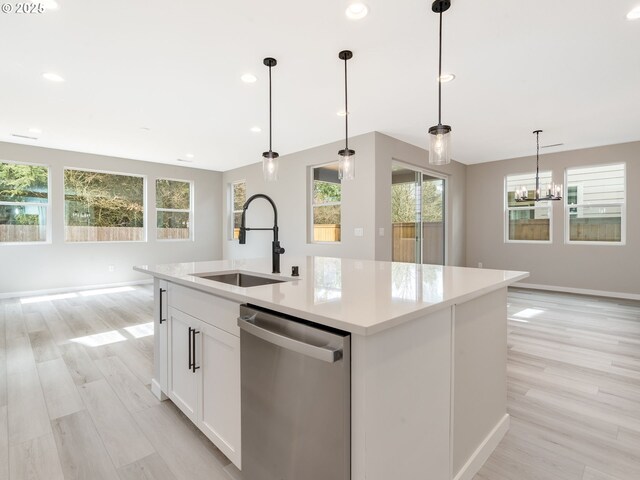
[[290, 193], [60, 265], [608, 268], [389, 149], [366, 201]]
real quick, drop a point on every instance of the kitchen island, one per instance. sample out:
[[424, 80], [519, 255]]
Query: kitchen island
[[428, 354]]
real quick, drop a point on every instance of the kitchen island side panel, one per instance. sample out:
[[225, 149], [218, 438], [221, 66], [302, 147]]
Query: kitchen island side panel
[[480, 379], [401, 400]]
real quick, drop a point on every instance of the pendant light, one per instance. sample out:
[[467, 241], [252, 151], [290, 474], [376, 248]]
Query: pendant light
[[346, 162], [440, 135], [552, 192], [270, 158]]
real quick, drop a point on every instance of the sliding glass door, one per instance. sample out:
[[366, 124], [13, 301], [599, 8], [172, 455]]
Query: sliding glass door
[[417, 216]]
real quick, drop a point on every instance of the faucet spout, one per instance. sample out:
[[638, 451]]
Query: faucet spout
[[276, 249]]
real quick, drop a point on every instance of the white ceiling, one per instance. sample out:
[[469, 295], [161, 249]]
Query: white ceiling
[[570, 67]]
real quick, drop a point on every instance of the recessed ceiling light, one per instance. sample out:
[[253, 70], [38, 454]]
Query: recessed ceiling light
[[52, 77], [447, 77], [256, 129], [37, 131], [189, 155], [341, 113], [634, 14], [248, 78], [356, 11]]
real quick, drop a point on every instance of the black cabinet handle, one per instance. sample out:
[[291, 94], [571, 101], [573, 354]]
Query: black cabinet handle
[[193, 364], [190, 347], [162, 290]]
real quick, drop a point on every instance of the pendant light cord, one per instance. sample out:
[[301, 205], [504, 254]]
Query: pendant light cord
[[346, 108], [440, 76], [537, 165], [270, 108]]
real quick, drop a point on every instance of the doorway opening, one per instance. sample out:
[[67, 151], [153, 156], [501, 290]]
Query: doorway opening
[[418, 215]]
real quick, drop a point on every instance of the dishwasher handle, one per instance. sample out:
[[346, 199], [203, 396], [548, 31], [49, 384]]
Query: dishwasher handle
[[330, 355]]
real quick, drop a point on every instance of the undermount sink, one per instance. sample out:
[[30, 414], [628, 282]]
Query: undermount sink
[[239, 279]]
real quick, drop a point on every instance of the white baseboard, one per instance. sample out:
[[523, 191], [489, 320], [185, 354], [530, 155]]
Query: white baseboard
[[50, 291], [157, 390], [579, 291], [484, 450]]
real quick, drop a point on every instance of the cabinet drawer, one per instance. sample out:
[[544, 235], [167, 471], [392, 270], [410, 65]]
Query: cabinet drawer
[[216, 311]]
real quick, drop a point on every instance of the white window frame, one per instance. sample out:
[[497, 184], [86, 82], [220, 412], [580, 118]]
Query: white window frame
[[232, 211], [177, 210], [507, 209], [312, 205], [145, 206], [47, 240], [622, 205]]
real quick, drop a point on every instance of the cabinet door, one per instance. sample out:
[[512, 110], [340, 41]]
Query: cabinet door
[[159, 383], [183, 382], [219, 410]]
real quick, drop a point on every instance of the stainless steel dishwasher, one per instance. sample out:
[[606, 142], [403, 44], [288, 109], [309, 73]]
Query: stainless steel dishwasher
[[296, 398]]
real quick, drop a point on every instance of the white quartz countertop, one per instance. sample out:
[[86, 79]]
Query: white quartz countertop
[[359, 296]]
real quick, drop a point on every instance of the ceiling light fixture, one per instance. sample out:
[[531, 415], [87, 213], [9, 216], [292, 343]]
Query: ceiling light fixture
[[634, 14], [553, 191], [447, 77], [189, 155], [248, 78], [37, 131], [440, 135], [256, 129], [341, 113], [52, 77], [346, 162], [270, 158], [357, 11]]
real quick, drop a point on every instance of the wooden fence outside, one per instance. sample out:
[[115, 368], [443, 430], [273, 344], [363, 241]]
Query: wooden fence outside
[[581, 229], [326, 233], [404, 242], [22, 233], [533, 229], [35, 233], [596, 229]]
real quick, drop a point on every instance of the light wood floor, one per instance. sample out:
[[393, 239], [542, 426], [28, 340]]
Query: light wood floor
[[75, 400], [573, 390]]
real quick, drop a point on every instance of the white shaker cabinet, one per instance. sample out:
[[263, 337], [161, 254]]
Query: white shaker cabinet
[[219, 412], [202, 358], [183, 375]]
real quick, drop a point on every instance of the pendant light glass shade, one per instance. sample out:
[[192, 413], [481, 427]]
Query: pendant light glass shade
[[346, 156], [270, 166], [440, 135], [440, 145], [347, 165], [270, 158]]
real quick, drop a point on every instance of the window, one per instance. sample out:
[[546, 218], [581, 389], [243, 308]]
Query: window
[[103, 207], [238, 197], [173, 209], [527, 221], [325, 203], [595, 207], [24, 203]]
